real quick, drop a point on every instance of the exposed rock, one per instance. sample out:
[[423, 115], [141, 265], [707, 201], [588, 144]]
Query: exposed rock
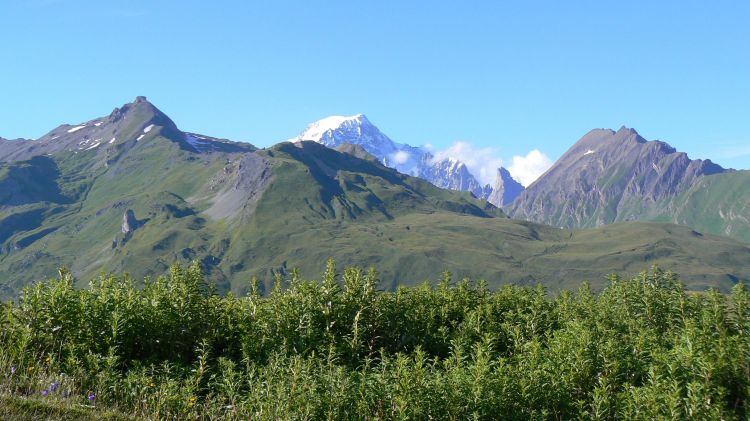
[[609, 176], [129, 223], [505, 190], [240, 187]]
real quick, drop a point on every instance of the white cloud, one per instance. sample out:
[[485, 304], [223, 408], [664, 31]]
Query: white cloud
[[400, 157], [482, 163], [526, 169]]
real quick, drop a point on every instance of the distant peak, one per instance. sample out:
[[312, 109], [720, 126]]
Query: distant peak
[[318, 129], [143, 113], [335, 121], [627, 130]]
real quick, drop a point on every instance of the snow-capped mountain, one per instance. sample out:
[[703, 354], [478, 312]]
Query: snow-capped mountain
[[447, 173], [334, 130]]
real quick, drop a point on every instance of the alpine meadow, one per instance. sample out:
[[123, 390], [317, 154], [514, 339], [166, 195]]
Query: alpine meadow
[[502, 236]]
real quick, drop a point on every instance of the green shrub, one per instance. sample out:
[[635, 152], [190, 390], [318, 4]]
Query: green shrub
[[170, 348]]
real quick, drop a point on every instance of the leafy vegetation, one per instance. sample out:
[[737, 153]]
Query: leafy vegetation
[[338, 348]]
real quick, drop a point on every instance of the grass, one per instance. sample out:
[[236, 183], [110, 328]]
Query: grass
[[322, 203], [35, 409]]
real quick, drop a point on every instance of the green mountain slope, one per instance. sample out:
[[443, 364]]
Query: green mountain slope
[[718, 204], [155, 195]]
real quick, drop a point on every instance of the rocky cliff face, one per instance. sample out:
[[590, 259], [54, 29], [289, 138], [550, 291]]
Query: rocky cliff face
[[451, 174], [609, 176], [505, 190]]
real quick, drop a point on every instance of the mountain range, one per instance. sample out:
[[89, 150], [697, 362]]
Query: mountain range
[[132, 192], [607, 176], [448, 172]]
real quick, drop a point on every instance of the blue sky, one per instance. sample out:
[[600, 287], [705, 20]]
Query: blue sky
[[504, 78]]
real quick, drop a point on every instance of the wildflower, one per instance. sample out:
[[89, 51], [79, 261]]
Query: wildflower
[[151, 384], [192, 400], [48, 360], [12, 369], [92, 397], [53, 387], [45, 392], [30, 369]]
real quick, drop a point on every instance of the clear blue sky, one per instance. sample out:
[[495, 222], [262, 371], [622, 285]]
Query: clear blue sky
[[512, 76]]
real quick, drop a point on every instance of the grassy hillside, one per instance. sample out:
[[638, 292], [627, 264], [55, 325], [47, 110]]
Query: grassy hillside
[[717, 204], [295, 205]]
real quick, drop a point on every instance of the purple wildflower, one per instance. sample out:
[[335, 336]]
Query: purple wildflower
[[53, 387], [12, 369], [45, 392], [92, 397]]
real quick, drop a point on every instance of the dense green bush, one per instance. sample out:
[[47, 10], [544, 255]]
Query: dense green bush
[[339, 349]]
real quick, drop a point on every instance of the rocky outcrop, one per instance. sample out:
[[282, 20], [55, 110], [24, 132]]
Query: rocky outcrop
[[129, 222], [505, 190]]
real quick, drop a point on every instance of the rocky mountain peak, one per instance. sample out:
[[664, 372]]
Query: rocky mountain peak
[[142, 112], [505, 190], [335, 130], [609, 176], [108, 137]]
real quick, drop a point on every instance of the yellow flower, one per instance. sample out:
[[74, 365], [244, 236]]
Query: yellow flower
[[192, 400], [31, 368]]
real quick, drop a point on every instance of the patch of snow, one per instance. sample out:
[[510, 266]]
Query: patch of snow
[[93, 146], [316, 130], [148, 128], [98, 123], [75, 129], [140, 137], [54, 137], [112, 141], [589, 152]]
